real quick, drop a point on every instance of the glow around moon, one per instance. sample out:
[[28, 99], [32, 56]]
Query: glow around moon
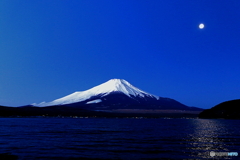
[[201, 26]]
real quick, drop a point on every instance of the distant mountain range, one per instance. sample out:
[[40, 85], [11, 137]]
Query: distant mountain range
[[116, 97]]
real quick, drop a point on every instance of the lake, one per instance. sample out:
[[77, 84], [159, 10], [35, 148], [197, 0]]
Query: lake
[[118, 138]]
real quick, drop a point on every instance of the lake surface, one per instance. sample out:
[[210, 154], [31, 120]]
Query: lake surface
[[123, 138]]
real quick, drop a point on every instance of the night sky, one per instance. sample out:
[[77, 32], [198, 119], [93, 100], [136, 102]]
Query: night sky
[[49, 49]]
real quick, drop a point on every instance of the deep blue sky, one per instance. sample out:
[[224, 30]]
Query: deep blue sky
[[49, 49]]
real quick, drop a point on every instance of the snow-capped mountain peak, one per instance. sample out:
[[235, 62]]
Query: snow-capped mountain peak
[[119, 85], [113, 85]]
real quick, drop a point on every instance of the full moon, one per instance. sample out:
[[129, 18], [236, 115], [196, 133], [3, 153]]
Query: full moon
[[201, 26]]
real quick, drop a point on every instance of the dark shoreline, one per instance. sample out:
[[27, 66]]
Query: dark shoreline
[[60, 111]]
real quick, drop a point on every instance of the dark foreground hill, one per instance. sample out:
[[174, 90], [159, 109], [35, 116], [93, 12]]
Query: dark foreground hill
[[225, 110]]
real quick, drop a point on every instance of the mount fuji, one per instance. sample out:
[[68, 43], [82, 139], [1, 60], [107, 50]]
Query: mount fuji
[[114, 98], [116, 94]]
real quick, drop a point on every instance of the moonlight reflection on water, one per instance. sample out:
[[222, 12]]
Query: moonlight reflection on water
[[209, 135]]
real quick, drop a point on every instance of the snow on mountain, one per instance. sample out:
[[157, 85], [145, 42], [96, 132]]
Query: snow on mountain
[[113, 85], [94, 101]]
